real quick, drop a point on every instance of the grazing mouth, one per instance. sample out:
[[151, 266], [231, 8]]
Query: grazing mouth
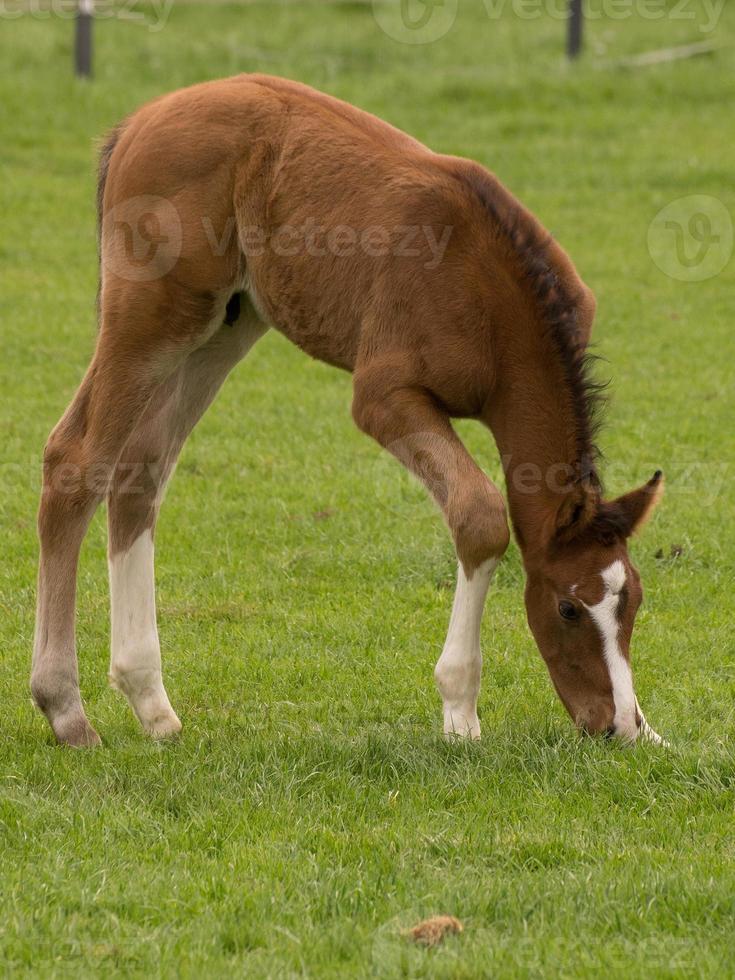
[[643, 733], [606, 733]]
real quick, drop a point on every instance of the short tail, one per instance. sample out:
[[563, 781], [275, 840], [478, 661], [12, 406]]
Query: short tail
[[108, 148]]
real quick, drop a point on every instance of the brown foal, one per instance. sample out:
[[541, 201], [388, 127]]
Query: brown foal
[[252, 202]]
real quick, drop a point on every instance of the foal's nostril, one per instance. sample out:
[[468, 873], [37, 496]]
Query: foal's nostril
[[587, 727]]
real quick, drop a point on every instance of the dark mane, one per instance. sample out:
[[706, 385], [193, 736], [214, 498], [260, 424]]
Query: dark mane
[[558, 308]]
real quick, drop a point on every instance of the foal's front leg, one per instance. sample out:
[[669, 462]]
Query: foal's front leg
[[459, 668], [407, 422]]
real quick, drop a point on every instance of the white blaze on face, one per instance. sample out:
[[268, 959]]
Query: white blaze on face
[[605, 616]]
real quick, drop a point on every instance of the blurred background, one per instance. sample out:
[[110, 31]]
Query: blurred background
[[305, 580]]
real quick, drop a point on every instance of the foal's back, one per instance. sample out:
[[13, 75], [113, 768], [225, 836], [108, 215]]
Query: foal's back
[[346, 232]]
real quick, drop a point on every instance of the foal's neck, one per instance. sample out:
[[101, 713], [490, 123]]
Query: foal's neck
[[541, 430]]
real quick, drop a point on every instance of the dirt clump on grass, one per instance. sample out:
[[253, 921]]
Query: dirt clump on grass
[[432, 931]]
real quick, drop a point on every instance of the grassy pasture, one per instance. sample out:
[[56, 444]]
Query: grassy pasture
[[310, 810]]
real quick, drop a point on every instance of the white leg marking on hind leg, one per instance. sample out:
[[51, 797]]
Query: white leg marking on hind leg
[[459, 668], [135, 664]]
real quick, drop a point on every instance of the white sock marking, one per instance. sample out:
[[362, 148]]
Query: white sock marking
[[135, 663], [458, 670]]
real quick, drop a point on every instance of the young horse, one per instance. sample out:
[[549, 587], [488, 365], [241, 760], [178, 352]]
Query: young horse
[[256, 201]]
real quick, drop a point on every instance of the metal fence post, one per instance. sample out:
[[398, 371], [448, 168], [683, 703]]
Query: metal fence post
[[574, 30], [83, 39]]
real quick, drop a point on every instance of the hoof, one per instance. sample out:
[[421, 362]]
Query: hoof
[[75, 731], [148, 699], [164, 726], [460, 726], [471, 735]]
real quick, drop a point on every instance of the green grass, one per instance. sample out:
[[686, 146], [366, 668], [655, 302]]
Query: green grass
[[310, 810]]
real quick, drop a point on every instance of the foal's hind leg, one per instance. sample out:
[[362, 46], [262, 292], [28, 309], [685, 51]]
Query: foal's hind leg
[[406, 420], [134, 356], [133, 504]]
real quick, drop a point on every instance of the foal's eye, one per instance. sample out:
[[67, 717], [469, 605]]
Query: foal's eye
[[568, 611]]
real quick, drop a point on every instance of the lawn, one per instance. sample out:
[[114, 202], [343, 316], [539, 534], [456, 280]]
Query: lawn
[[311, 810]]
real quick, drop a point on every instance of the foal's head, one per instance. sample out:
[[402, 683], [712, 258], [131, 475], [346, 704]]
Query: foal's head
[[582, 596]]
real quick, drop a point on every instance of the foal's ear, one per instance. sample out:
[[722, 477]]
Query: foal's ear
[[634, 509], [576, 511]]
